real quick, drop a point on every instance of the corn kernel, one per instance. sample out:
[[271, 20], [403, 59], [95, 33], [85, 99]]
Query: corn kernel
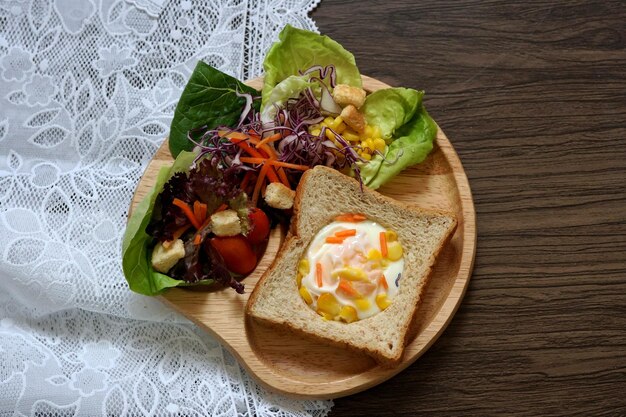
[[366, 156], [328, 121], [350, 273], [350, 135], [374, 255], [391, 235], [348, 314], [335, 123], [340, 129], [330, 135], [382, 301], [369, 131], [362, 304], [303, 266], [327, 303], [384, 263], [394, 251], [315, 132], [325, 315], [304, 293], [379, 144], [299, 279]]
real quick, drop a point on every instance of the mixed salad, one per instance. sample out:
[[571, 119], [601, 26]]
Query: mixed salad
[[239, 154]]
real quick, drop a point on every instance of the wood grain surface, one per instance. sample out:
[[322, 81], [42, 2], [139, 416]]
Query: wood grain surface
[[294, 365], [533, 97]]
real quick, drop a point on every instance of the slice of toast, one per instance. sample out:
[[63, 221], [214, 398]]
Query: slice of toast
[[323, 194]]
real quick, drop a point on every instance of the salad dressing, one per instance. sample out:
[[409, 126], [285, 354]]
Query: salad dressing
[[344, 275]]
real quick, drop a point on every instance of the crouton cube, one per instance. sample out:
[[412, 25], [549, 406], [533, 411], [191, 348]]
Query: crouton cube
[[279, 196], [225, 223], [353, 118], [346, 94], [164, 259]]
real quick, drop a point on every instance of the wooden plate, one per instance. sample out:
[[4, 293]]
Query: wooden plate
[[288, 364]]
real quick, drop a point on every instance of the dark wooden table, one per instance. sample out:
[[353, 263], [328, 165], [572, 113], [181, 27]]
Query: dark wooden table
[[533, 97]]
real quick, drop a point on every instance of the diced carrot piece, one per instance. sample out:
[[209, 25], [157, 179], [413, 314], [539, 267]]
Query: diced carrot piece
[[350, 217], [346, 287], [346, 233], [197, 239], [383, 281], [334, 239], [383, 244], [318, 274]]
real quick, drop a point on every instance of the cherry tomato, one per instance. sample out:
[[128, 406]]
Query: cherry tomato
[[236, 252], [259, 226]]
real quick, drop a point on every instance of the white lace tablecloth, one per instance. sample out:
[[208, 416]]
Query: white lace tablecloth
[[87, 91]]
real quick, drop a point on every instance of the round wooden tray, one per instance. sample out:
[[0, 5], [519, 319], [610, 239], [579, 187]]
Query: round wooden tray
[[289, 364]]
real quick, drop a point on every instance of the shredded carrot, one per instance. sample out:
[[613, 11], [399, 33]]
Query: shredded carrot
[[318, 274], [248, 160], [383, 281], [283, 177], [264, 153], [243, 144], [246, 147], [346, 287], [246, 180], [350, 217], [383, 244], [259, 182], [346, 233], [232, 135], [271, 153], [270, 139], [198, 233], [205, 224], [188, 212], [334, 239], [199, 210], [176, 235]]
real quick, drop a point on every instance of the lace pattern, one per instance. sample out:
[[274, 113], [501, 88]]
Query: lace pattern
[[87, 92]]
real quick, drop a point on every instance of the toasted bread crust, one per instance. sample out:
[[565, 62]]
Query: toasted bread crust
[[294, 237]]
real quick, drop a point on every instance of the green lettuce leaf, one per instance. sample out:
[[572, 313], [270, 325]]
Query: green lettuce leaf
[[411, 144], [406, 127], [209, 99], [290, 87], [391, 108], [298, 50], [136, 252]]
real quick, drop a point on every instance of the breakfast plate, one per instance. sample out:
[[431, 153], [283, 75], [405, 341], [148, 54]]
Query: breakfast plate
[[289, 364]]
